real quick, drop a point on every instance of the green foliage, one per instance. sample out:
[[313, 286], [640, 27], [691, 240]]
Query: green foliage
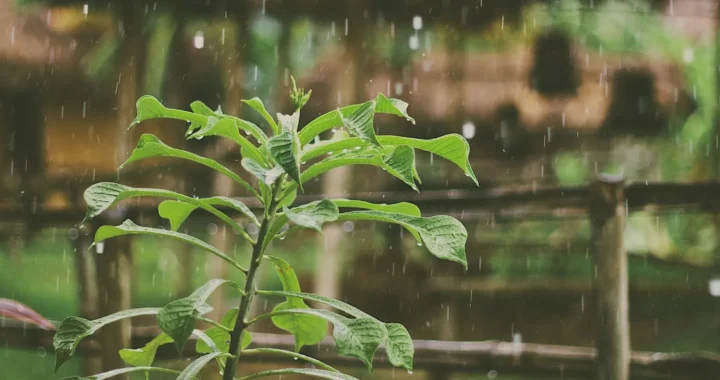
[[278, 162]]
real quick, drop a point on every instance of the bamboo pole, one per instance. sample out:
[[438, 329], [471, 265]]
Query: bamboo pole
[[607, 214]]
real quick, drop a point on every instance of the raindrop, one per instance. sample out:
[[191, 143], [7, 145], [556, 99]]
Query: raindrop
[[468, 129], [212, 228], [100, 247], [398, 88], [492, 374], [688, 55], [348, 226], [73, 233], [417, 22], [86, 9], [222, 35], [199, 40], [12, 35], [41, 352], [419, 244], [414, 42]]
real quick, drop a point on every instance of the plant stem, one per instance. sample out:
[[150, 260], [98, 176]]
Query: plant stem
[[250, 288]]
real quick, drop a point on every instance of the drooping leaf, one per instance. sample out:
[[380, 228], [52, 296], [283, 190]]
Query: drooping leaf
[[130, 228], [401, 208], [444, 236], [307, 329], [191, 371], [332, 119], [229, 129], [177, 212], [285, 149], [20, 312], [73, 329], [399, 163], [266, 176], [360, 122], [358, 337], [321, 374], [102, 195], [144, 357], [295, 294], [313, 217], [200, 108], [257, 105], [122, 371], [177, 319], [220, 337], [399, 346], [148, 107], [150, 146]]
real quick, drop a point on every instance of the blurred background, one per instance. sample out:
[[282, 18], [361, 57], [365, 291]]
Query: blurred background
[[548, 93]]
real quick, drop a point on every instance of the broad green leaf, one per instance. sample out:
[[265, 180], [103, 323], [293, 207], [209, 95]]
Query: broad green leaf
[[257, 105], [220, 337], [295, 294], [332, 119], [444, 236], [322, 374], [266, 176], [177, 212], [144, 357], [360, 122], [150, 146], [452, 147], [148, 107], [130, 228], [102, 195], [307, 329], [177, 319], [399, 163], [122, 371], [401, 208], [358, 338], [294, 355], [200, 107], [322, 212], [228, 129], [191, 371], [73, 329], [399, 346], [312, 210], [285, 149]]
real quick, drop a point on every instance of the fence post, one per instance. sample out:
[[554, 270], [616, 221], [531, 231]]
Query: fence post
[[610, 284]]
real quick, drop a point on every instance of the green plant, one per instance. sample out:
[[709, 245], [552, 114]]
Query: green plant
[[276, 163]]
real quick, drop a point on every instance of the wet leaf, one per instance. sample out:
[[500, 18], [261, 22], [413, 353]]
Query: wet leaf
[[313, 217], [322, 374]]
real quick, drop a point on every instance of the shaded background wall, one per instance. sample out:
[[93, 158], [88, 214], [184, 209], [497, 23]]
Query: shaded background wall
[[547, 93]]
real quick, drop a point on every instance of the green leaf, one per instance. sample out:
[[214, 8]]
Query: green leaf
[[191, 371], [122, 371], [200, 108], [228, 129], [401, 208], [257, 105], [177, 319], [360, 122], [148, 107], [399, 346], [307, 329], [358, 338], [300, 371], [73, 329], [102, 195], [221, 337], [444, 236], [144, 357], [130, 228], [314, 217], [452, 147], [177, 212], [266, 176], [286, 151], [289, 293], [332, 119], [150, 146], [399, 163]]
